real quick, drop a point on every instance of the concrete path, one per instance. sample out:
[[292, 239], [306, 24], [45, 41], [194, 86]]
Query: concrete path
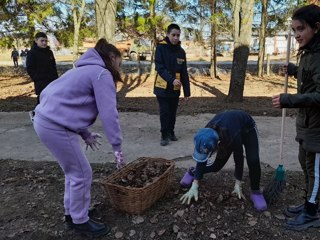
[[141, 138]]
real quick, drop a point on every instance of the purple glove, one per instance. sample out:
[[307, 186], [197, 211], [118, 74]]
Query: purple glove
[[119, 159], [92, 141]]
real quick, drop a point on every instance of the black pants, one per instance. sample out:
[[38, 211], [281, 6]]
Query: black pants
[[310, 164], [15, 62], [168, 110], [248, 139]]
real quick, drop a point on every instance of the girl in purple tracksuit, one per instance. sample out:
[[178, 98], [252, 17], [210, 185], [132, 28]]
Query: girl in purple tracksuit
[[68, 107]]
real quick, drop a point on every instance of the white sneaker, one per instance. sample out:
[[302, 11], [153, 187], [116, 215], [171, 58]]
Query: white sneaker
[[31, 115]]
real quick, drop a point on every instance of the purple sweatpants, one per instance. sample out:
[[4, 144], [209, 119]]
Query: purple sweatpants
[[65, 147]]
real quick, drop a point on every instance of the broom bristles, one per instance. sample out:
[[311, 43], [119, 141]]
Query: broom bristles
[[273, 190]]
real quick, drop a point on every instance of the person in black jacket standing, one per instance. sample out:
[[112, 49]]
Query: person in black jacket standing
[[306, 27], [41, 65], [171, 67]]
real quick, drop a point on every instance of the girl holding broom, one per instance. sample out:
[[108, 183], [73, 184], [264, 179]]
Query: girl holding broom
[[306, 27]]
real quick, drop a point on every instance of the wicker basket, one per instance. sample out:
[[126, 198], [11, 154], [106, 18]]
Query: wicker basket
[[136, 200]]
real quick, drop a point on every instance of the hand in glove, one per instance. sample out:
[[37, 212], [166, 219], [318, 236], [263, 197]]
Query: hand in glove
[[119, 159], [238, 190], [92, 141], [192, 193]]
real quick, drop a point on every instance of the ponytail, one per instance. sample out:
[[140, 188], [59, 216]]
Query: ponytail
[[106, 51]]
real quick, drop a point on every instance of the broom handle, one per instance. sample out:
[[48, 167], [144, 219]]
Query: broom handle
[[285, 90]]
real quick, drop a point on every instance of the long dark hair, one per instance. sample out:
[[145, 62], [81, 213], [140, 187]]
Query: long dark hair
[[106, 51], [309, 14]]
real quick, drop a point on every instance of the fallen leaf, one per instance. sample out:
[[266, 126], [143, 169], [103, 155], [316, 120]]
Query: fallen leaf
[[137, 219], [267, 214], [153, 234], [280, 216], [161, 232], [175, 228], [132, 232], [213, 236], [118, 235], [154, 219], [179, 213], [252, 223]]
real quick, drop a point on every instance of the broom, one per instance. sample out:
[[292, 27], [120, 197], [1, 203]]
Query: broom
[[276, 186]]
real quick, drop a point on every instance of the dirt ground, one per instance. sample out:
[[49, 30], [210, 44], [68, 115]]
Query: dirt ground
[[31, 206]]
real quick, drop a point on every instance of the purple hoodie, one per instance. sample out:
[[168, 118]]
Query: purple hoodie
[[76, 98]]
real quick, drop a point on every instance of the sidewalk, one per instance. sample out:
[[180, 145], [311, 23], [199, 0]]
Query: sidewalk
[[141, 138]]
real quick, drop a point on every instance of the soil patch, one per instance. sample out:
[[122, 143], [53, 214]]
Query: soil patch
[[31, 207], [135, 93]]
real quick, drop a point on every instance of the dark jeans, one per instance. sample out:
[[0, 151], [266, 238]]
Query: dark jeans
[[168, 110], [248, 139]]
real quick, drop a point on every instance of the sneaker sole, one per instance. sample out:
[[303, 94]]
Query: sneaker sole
[[290, 214], [103, 232], [299, 228]]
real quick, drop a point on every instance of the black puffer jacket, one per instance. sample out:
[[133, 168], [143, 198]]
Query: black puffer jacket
[[41, 67], [308, 97], [171, 64]]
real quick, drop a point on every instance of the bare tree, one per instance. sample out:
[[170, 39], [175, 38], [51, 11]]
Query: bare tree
[[213, 59], [106, 11], [242, 11], [152, 9], [77, 12], [262, 36]]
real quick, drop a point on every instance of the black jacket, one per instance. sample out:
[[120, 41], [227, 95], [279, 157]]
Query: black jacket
[[308, 97], [41, 67], [171, 64], [231, 126]]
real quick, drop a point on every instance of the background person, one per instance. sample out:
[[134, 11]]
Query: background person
[[14, 57], [41, 65], [67, 108], [171, 67], [23, 56]]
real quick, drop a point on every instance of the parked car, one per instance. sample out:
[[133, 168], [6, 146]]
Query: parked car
[[139, 49], [254, 50]]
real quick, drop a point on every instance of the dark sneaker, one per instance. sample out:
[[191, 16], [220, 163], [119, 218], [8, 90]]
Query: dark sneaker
[[293, 211], [31, 115], [173, 137], [303, 221], [91, 228], [68, 224], [164, 141]]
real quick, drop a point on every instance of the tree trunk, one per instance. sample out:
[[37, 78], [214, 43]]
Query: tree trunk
[[106, 11], [262, 35], [77, 19], [242, 29], [213, 60], [154, 37]]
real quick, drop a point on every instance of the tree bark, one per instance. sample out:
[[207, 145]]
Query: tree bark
[[213, 60], [154, 37], [77, 19], [106, 11], [242, 30], [262, 35]]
